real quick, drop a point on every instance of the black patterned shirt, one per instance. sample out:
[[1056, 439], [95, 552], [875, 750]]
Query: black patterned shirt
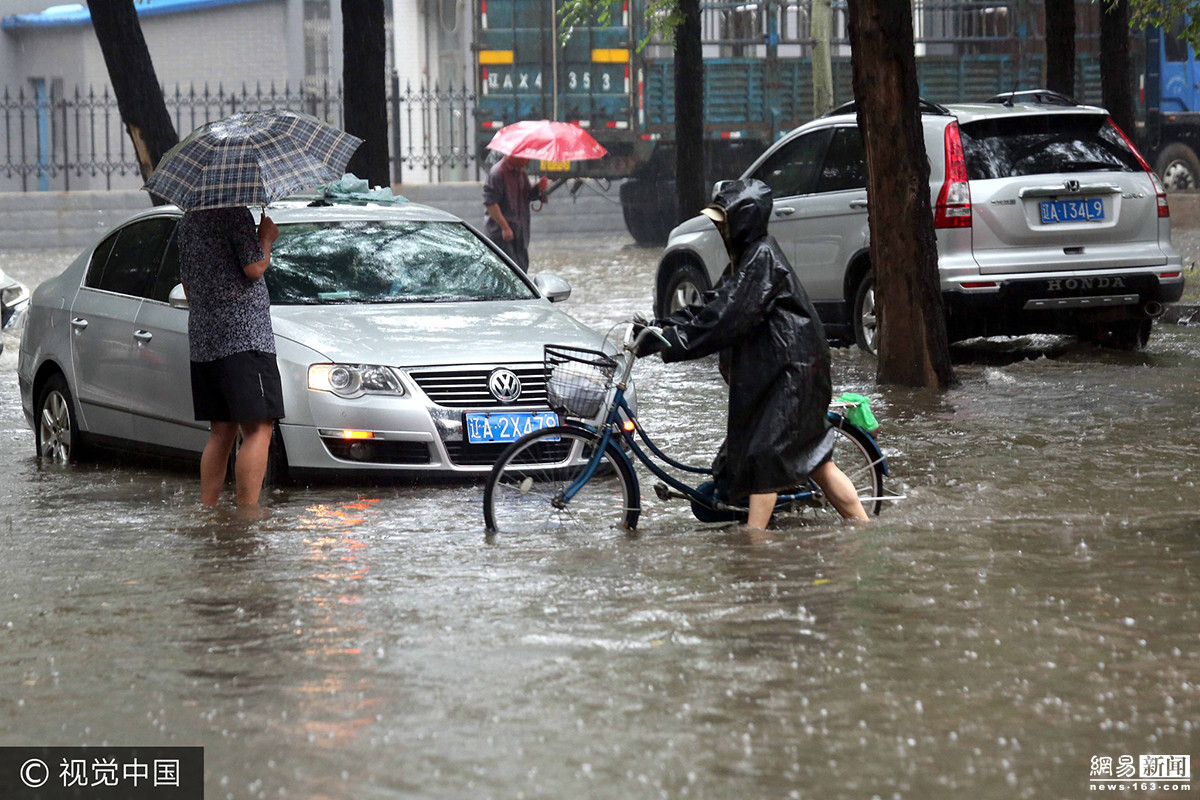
[[229, 313]]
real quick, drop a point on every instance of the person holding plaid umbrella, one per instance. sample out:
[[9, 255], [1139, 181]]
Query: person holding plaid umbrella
[[213, 175]]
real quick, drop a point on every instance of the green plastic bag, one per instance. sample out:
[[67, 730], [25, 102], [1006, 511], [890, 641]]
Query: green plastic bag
[[860, 414]]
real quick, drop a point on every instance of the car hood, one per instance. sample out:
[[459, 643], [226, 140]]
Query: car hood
[[438, 333]]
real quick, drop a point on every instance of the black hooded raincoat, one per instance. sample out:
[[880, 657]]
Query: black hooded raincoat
[[779, 381]]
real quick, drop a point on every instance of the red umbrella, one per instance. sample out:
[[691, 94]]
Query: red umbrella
[[544, 140]]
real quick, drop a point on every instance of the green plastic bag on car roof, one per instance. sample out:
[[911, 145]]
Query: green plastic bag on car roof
[[860, 413]]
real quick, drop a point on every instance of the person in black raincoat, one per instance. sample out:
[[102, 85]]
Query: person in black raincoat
[[762, 322]]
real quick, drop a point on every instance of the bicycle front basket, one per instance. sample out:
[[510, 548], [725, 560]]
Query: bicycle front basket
[[577, 380]]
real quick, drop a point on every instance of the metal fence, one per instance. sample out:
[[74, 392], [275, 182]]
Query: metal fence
[[60, 140]]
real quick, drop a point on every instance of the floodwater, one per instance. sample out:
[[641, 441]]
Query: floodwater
[[1032, 604]]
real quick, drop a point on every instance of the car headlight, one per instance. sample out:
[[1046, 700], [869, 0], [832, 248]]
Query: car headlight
[[353, 380], [14, 295]]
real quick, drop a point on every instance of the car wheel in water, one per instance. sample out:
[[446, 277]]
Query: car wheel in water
[[1130, 334], [1179, 167], [57, 430], [866, 324], [277, 469], [686, 287]]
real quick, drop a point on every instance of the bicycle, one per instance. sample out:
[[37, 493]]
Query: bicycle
[[581, 474]]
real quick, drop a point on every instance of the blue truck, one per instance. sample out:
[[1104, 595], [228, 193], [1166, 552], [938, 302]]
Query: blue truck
[[615, 80]]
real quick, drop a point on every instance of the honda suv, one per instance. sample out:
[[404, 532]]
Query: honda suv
[[1048, 220]]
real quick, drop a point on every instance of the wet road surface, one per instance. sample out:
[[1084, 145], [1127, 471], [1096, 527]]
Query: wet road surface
[[1031, 605]]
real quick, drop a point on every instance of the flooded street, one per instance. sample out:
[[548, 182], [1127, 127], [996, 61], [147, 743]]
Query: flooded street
[[1032, 604]]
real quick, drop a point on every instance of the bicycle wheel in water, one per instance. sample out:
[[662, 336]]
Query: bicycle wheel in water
[[856, 457], [525, 488]]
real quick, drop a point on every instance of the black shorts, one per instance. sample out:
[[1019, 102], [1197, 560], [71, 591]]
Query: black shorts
[[238, 388]]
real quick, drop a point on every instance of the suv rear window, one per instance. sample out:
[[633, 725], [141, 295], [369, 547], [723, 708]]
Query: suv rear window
[[1051, 143]]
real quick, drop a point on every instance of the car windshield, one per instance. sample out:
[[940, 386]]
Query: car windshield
[[1049, 143], [371, 261]]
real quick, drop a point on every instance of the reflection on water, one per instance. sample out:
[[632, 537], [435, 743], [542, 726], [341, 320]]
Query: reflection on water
[[1031, 605]]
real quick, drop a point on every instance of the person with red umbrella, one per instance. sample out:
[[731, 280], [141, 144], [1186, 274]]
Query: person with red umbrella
[[507, 195], [507, 192]]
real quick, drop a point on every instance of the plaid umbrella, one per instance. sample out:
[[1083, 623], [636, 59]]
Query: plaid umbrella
[[251, 159]]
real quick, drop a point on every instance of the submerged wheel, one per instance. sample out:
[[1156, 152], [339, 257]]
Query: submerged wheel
[[1127, 334], [57, 430], [524, 490], [277, 467], [866, 324], [855, 457], [685, 287]]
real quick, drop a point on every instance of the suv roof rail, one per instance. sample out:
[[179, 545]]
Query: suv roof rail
[[1043, 97], [926, 107]]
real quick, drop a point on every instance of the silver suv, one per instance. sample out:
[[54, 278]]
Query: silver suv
[[1048, 220]]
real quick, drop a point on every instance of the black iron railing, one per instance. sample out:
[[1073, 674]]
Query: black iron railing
[[74, 139]]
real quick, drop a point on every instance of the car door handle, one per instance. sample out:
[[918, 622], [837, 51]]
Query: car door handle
[[143, 336], [79, 323], [858, 203], [784, 212]]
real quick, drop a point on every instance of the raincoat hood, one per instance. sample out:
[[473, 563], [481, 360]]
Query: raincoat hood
[[747, 207]]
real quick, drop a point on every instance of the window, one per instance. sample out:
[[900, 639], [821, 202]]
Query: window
[[1175, 47], [792, 169], [327, 263], [1046, 144], [168, 273], [134, 254], [845, 164]]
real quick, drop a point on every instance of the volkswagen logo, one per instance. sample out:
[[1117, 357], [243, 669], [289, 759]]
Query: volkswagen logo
[[504, 385]]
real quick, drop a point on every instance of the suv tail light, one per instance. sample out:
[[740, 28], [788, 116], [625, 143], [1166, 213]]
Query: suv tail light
[[1160, 192], [953, 209]]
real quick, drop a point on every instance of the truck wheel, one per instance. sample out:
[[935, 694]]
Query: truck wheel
[[649, 211], [685, 287], [1179, 167], [866, 324]]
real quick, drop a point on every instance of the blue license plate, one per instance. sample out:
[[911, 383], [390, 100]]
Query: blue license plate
[[1089, 209], [488, 427]]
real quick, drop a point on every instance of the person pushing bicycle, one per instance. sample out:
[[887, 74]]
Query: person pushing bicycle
[[761, 321]]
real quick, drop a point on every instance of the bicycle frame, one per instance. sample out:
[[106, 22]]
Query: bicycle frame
[[620, 424]]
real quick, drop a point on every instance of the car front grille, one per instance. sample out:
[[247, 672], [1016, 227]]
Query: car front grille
[[467, 387]]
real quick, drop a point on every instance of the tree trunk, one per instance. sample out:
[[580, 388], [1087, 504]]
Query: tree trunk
[[1116, 81], [690, 194], [131, 71], [822, 67], [364, 43], [1060, 47], [912, 341]]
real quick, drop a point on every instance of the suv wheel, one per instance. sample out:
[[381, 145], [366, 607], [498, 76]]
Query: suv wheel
[[866, 324], [1179, 167], [1129, 334], [685, 287]]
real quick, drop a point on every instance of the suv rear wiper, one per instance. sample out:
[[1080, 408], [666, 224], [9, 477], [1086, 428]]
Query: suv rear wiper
[[1089, 166]]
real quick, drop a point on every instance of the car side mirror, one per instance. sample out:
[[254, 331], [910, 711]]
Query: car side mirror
[[552, 287], [178, 297]]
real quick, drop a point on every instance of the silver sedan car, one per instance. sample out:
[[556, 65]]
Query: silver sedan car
[[406, 343]]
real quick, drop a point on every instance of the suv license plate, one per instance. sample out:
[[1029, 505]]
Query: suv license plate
[[489, 427], [1089, 209]]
